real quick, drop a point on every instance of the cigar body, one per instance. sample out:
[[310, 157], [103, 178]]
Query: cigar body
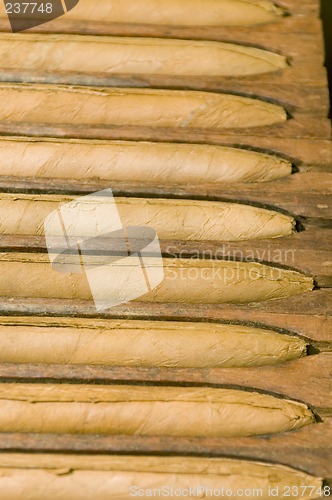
[[143, 162], [171, 344], [171, 219], [133, 56], [61, 105], [175, 12], [122, 477], [146, 411], [215, 281]]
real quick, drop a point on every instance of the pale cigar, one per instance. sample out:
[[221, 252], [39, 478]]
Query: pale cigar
[[123, 477], [112, 55], [186, 281], [171, 219], [60, 105], [143, 343], [146, 411], [143, 162], [178, 12]]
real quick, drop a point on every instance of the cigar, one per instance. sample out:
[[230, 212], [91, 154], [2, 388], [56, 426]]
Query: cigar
[[186, 281], [175, 12], [98, 106], [123, 477], [146, 411], [143, 162], [133, 56], [172, 219], [140, 343]]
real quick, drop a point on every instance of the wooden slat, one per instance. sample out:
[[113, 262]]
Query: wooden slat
[[305, 194], [300, 126], [284, 379], [294, 74], [294, 24], [312, 99], [304, 251], [308, 315], [308, 449]]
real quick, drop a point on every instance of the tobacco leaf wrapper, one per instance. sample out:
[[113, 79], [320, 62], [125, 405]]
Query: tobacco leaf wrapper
[[168, 12], [186, 281], [71, 476], [146, 411], [171, 219], [136, 161], [115, 55], [90, 106], [143, 343]]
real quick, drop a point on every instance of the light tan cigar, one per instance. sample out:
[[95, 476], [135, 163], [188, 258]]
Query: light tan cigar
[[94, 54], [177, 12], [143, 343], [172, 219], [146, 411], [123, 477], [136, 161], [60, 104], [186, 280]]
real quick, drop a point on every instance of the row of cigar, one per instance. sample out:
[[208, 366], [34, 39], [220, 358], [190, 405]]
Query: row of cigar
[[136, 410]]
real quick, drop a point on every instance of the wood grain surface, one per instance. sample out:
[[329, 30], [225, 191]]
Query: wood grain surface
[[313, 99], [287, 379], [298, 126], [305, 140], [308, 449], [306, 195], [308, 315]]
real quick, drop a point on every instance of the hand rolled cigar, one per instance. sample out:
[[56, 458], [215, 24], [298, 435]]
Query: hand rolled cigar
[[175, 12], [186, 281], [171, 219], [143, 343], [60, 105], [142, 162], [123, 477], [153, 56], [146, 411]]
